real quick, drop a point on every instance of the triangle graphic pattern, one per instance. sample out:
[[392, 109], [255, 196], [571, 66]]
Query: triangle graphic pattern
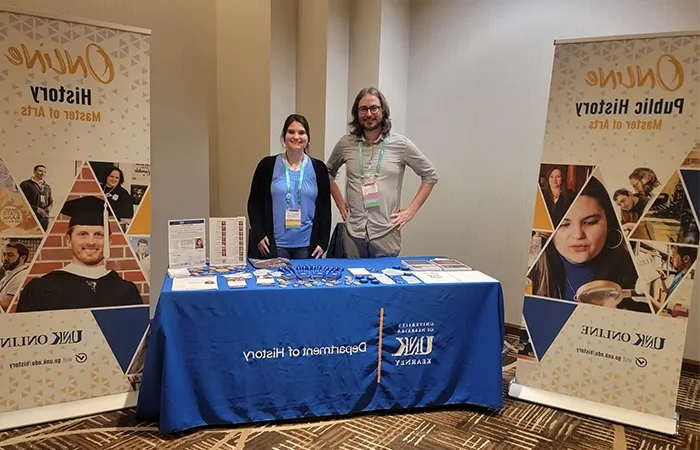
[[542, 221], [691, 178], [582, 251], [141, 225], [671, 217], [545, 319], [16, 217], [55, 253], [122, 329]]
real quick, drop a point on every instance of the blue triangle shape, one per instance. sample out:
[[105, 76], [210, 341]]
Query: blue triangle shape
[[545, 319], [123, 329], [692, 186]]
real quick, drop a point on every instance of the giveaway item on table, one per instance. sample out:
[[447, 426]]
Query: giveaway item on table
[[264, 280], [273, 263], [206, 271], [309, 273], [179, 272], [236, 282]]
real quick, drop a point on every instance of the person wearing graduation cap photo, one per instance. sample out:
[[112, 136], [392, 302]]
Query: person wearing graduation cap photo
[[85, 282]]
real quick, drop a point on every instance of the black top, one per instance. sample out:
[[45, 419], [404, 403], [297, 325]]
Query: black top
[[260, 208], [121, 201], [64, 290]]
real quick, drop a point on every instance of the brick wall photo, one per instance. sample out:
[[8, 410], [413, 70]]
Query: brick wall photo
[[55, 254]]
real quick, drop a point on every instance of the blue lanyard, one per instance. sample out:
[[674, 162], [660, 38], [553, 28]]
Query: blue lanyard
[[382, 148], [289, 183]]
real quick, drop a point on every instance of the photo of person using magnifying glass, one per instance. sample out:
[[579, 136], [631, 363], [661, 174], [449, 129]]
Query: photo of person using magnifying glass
[[587, 258]]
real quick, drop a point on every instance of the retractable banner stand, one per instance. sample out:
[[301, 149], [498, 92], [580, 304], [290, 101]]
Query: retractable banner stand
[[614, 240], [74, 216]]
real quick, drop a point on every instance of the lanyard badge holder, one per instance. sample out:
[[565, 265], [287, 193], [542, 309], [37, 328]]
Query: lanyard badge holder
[[292, 216], [370, 191]]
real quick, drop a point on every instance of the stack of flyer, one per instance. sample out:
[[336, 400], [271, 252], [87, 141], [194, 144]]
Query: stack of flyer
[[432, 265]]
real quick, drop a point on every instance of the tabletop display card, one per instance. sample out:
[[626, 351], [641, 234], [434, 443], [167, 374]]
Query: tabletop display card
[[227, 241], [187, 243], [450, 264], [436, 277], [420, 265], [195, 284]]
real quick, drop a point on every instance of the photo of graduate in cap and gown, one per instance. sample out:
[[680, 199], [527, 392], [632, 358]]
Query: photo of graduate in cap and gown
[[85, 282]]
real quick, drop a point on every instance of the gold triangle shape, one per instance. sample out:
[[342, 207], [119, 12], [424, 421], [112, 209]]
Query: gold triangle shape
[[141, 225], [541, 221]]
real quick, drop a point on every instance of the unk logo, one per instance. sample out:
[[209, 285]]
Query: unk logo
[[414, 350], [415, 346], [56, 338]]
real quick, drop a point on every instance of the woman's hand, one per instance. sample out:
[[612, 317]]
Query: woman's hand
[[317, 253], [264, 246]]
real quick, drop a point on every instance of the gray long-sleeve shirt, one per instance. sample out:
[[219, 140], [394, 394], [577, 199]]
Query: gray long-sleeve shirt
[[400, 152]]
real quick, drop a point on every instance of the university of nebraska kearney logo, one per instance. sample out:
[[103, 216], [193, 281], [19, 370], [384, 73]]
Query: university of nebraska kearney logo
[[416, 344]]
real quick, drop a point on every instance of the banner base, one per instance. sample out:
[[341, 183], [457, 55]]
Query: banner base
[[70, 410], [600, 410]]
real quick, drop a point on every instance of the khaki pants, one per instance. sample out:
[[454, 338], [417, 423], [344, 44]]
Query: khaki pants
[[387, 245]]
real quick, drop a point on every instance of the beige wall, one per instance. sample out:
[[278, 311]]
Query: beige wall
[[283, 66], [312, 38], [243, 43], [478, 90], [183, 102]]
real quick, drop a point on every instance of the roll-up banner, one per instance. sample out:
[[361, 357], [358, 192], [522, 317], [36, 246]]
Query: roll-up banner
[[74, 215], [614, 240]]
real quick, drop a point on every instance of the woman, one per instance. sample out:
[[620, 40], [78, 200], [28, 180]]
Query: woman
[[587, 246], [556, 196], [289, 207], [120, 200]]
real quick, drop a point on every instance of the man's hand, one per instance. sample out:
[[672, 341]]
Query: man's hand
[[402, 217], [41, 211], [627, 227], [343, 208], [264, 246]]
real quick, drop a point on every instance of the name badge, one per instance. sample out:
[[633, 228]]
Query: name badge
[[292, 218], [370, 194], [42, 199]]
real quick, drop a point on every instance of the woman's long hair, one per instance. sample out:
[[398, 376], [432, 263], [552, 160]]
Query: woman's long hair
[[547, 190], [614, 262]]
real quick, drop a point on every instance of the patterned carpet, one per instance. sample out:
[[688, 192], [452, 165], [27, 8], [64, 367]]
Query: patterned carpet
[[518, 426]]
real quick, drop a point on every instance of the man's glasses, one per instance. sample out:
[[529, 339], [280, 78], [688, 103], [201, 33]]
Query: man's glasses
[[373, 109]]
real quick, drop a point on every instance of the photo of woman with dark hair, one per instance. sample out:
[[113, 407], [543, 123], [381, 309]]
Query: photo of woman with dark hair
[[556, 195], [120, 199], [588, 250]]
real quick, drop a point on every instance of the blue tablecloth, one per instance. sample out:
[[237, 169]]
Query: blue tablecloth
[[267, 353]]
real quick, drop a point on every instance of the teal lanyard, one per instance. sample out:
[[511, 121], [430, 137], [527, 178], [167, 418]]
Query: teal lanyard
[[382, 148], [289, 182]]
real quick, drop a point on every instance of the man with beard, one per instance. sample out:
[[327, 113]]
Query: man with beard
[[38, 193], [376, 159], [85, 282], [15, 262]]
